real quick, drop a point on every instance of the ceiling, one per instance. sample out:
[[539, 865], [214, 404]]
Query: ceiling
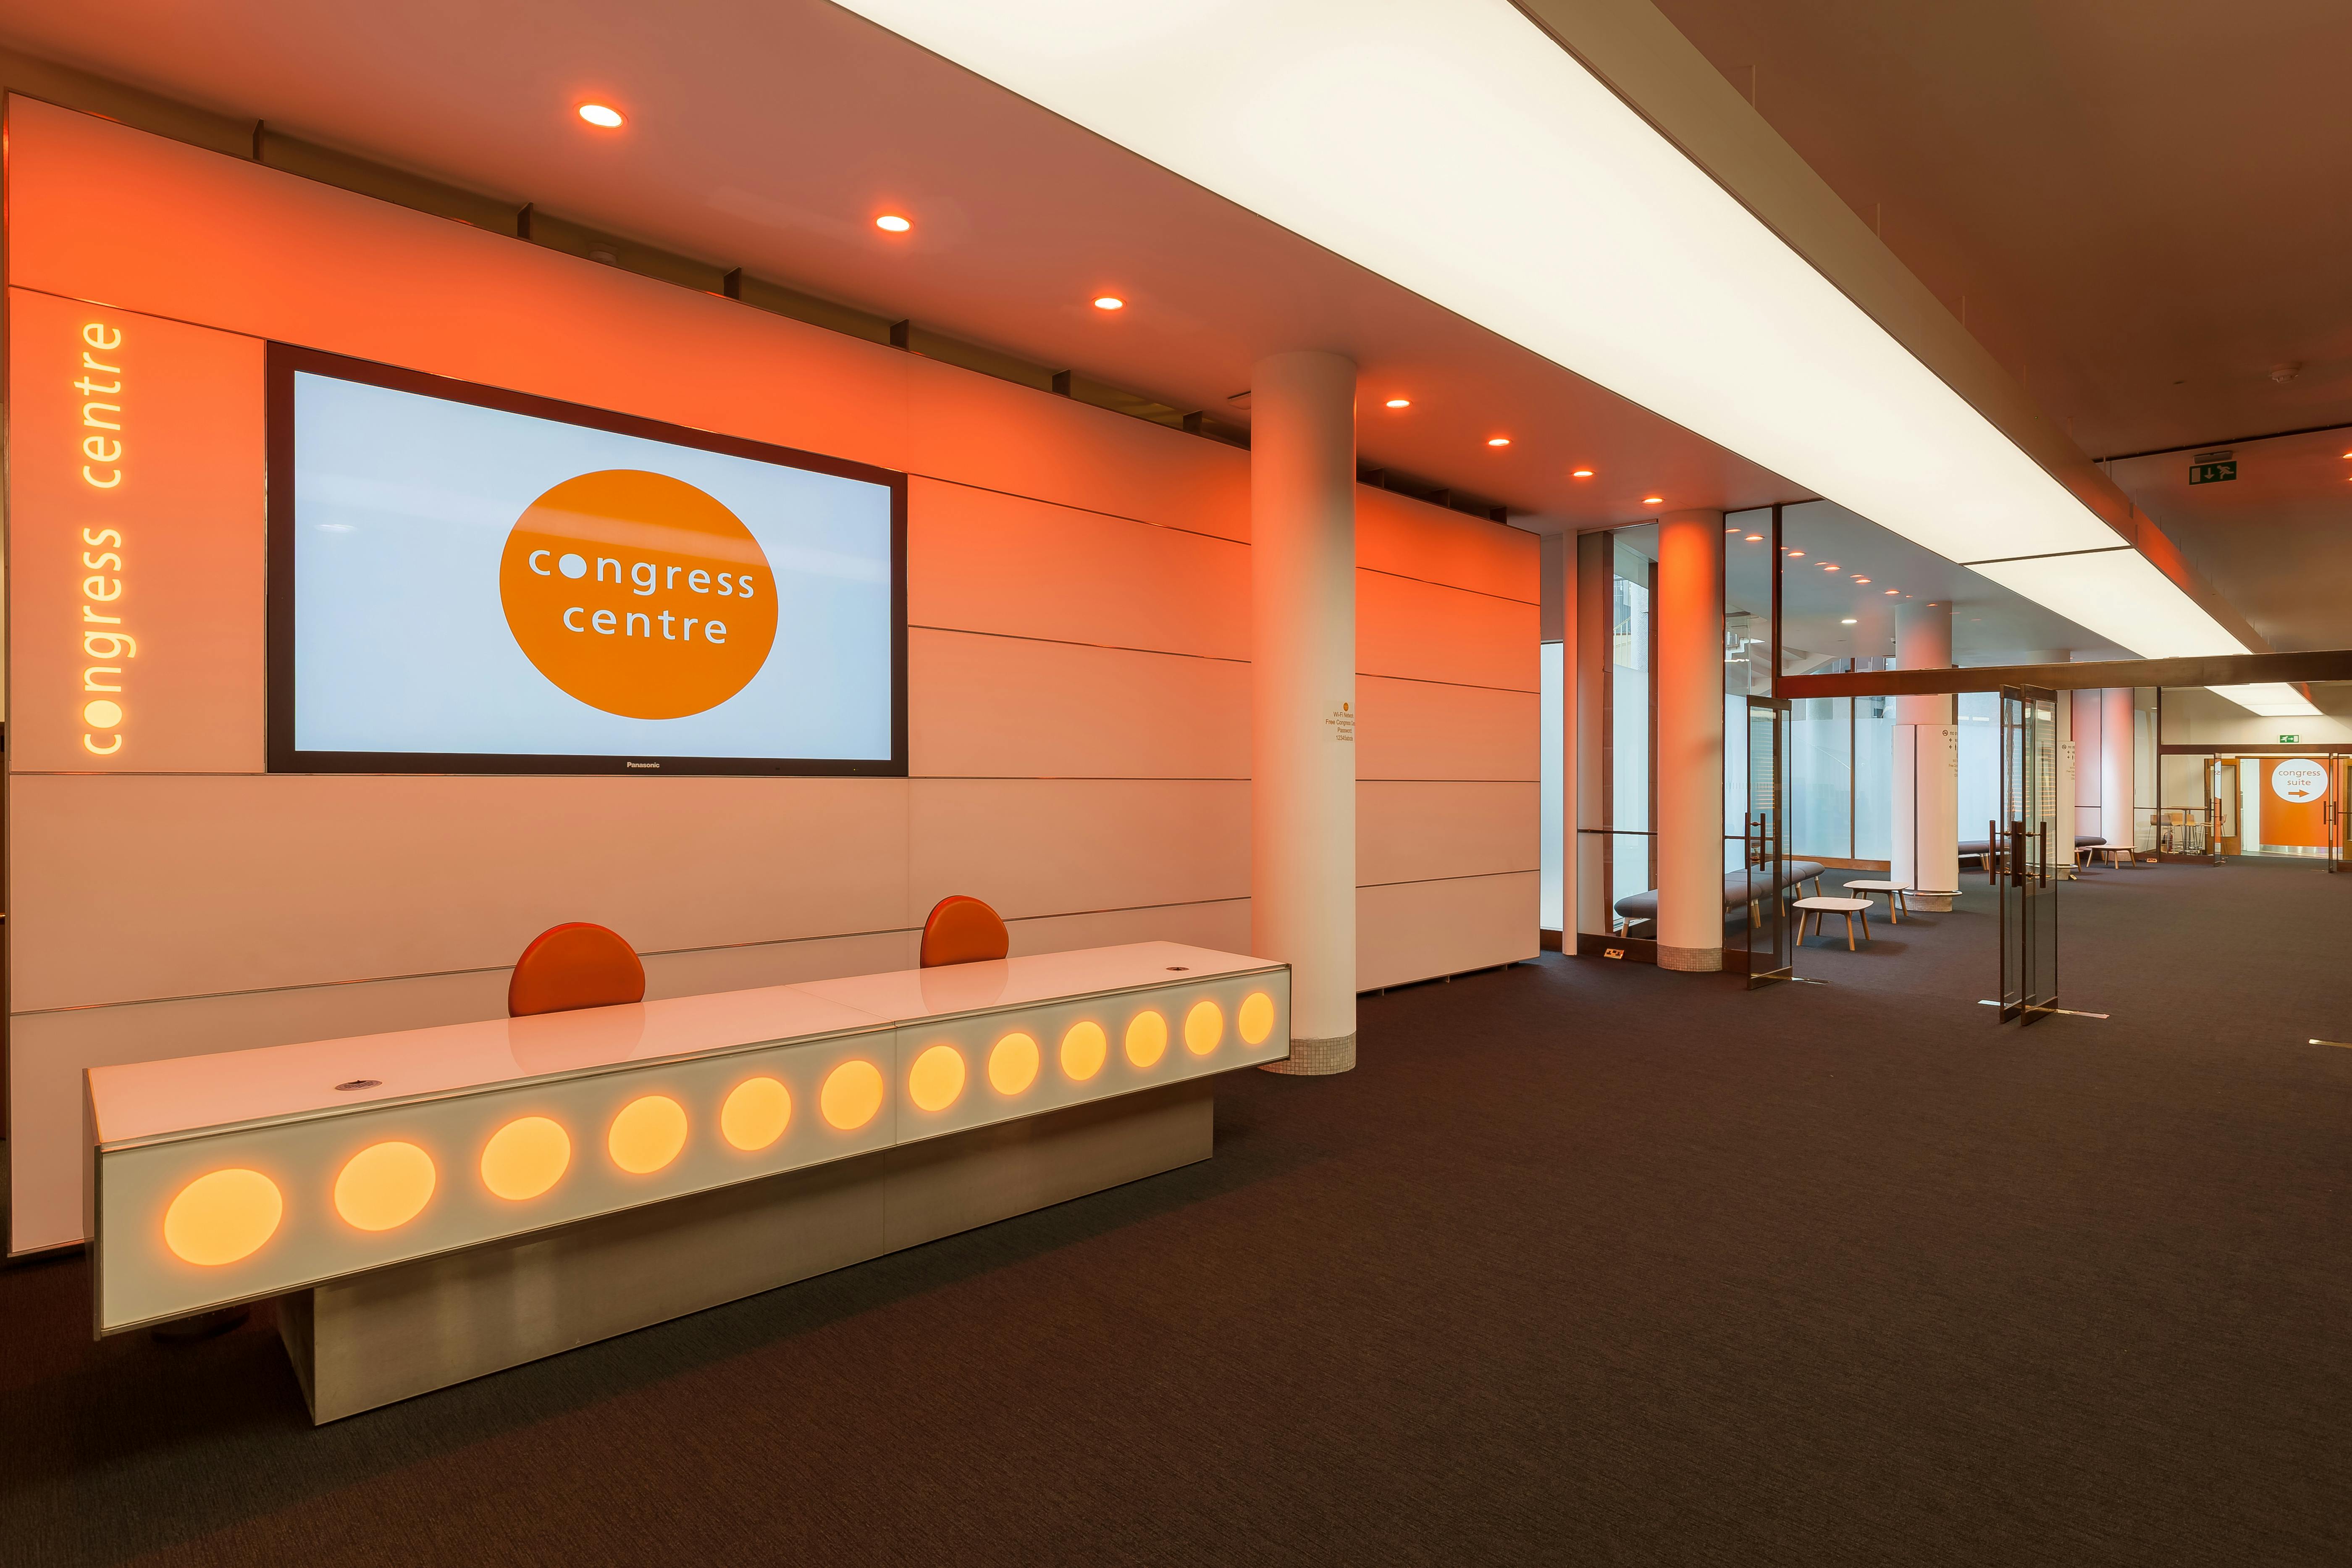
[[2139, 200], [769, 135], [2276, 541]]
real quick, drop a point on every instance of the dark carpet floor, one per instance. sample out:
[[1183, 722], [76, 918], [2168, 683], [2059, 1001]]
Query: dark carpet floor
[[1586, 1263]]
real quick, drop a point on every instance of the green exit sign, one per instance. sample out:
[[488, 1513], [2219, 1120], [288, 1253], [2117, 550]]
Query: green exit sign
[[2212, 469], [2287, 740]]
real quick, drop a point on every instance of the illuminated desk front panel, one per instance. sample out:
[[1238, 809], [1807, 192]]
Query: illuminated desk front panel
[[223, 1178]]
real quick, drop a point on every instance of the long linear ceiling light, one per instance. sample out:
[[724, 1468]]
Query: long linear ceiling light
[[1452, 147]]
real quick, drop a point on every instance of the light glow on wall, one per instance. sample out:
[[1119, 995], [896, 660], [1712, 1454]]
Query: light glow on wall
[[756, 1113], [525, 1158], [222, 1217], [384, 1185], [647, 1134], [1478, 155]]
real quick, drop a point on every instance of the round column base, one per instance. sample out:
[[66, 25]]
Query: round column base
[[1934, 903], [1690, 959], [1316, 1058]]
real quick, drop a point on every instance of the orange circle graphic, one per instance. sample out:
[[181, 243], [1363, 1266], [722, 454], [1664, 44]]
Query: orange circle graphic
[[638, 593]]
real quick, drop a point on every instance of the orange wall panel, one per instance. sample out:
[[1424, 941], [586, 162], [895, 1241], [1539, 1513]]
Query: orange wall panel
[[1408, 538], [135, 551], [981, 561], [1426, 729], [1002, 707], [1425, 632]]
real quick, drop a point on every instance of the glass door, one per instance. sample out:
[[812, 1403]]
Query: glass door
[[2027, 831], [2331, 807], [1770, 948]]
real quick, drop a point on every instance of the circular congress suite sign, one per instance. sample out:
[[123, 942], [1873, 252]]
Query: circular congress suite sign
[[2298, 780], [638, 593]]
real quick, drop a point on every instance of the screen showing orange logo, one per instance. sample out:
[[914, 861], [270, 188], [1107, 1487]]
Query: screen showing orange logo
[[638, 593]]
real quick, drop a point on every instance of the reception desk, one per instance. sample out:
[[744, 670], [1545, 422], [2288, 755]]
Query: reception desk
[[435, 1204]]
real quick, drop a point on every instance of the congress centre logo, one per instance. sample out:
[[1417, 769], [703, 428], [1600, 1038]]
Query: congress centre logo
[[2299, 781], [638, 593]]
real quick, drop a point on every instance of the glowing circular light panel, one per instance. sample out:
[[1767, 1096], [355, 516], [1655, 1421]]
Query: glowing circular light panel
[[935, 1079], [1255, 1018], [1083, 1046], [525, 1157], [1498, 440], [891, 223], [222, 1217], [755, 1114], [1147, 1037], [384, 1185], [646, 1134], [851, 1095], [602, 115], [1204, 1025], [1111, 303], [1013, 1063], [1398, 403]]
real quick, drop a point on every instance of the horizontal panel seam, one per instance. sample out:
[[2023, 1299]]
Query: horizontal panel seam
[[1434, 582], [1463, 877], [1433, 680], [1073, 642], [1072, 506], [650, 952]]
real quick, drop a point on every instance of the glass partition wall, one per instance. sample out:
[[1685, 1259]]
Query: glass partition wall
[[2230, 784], [1616, 583]]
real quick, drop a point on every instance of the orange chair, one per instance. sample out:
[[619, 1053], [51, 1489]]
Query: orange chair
[[962, 931], [575, 965]]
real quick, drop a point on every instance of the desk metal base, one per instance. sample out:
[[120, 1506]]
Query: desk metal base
[[406, 1329]]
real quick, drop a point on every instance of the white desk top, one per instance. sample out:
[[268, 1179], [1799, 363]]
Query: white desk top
[[187, 1094]]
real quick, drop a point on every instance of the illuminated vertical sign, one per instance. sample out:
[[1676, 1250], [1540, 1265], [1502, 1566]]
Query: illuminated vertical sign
[[102, 633], [136, 509]]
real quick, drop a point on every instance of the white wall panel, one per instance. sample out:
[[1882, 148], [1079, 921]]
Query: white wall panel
[[1044, 847], [996, 707], [1407, 627], [1224, 926], [1413, 930], [1430, 729], [978, 561], [130, 887], [1414, 831]]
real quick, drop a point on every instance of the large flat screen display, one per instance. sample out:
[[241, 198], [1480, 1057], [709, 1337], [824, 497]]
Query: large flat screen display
[[467, 580]]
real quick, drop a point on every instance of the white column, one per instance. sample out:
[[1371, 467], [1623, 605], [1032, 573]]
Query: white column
[[2115, 766], [1926, 764], [1690, 741], [1302, 695]]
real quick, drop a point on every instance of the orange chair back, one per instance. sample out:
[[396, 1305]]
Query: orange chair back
[[962, 931], [575, 965]]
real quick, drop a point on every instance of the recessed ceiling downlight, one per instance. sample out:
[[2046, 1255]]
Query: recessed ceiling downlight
[[891, 223], [602, 115]]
